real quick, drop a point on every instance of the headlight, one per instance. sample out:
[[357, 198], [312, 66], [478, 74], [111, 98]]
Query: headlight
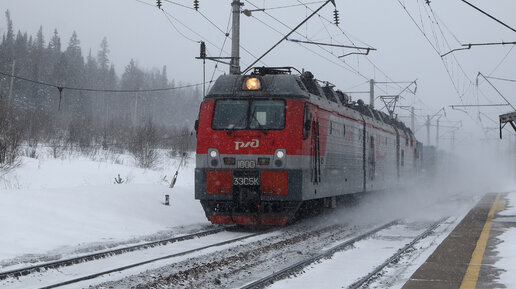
[[252, 83], [280, 157], [213, 157]]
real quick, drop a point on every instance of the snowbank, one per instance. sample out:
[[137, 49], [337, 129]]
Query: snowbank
[[49, 206]]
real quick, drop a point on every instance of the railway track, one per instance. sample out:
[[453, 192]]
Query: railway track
[[364, 280], [99, 255], [292, 269], [227, 268], [301, 264], [26, 272], [288, 250]]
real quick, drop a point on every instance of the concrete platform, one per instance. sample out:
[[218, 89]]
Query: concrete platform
[[465, 258]]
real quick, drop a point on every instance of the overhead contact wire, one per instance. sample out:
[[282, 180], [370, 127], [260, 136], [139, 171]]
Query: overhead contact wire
[[350, 68], [352, 42]]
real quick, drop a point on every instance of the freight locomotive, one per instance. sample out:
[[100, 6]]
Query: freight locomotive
[[274, 142]]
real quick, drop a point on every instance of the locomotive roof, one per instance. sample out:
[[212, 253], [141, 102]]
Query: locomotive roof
[[285, 85], [279, 81]]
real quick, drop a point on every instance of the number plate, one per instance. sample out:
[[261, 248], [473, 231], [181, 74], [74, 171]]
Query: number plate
[[246, 164], [246, 181], [246, 178]]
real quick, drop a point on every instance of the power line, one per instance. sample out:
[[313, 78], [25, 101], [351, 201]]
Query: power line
[[211, 22], [351, 69], [293, 5], [447, 28], [311, 50], [143, 2], [228, 29], [502, 60], [113, 144], [345, 34], [352, 42], [347, 67], [61, 87], [503, 79], [488, 15], [448, 44], [496, 89], [226, 34], [420, 29], [288, 34], [448, 71], [179, 4], [177, 30], [169, 17], [338, 27]]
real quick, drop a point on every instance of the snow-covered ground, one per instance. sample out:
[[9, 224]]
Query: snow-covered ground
[[506, 249], [54, 206]]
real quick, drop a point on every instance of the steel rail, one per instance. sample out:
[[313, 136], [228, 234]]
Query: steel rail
[[301, 264], [103, 254], [92, 276], [396, 256]]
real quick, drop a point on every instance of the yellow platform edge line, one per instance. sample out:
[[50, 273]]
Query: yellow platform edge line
[[471, 277]]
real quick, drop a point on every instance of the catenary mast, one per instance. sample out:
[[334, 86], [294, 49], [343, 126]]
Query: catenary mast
[[234, 67]]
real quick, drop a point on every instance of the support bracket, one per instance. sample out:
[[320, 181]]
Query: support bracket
[[507, 118]]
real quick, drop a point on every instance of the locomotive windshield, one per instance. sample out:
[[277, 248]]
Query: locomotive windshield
[[249, 114]]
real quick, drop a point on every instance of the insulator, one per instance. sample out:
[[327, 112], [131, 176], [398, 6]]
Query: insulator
[[336, 17], [196, 4], [203, 50], [158, 3]]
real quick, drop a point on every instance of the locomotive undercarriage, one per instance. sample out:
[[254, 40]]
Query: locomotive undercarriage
[[246, 208]]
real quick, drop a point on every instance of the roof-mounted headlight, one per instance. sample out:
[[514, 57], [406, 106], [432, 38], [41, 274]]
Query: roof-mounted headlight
[[252, 83]]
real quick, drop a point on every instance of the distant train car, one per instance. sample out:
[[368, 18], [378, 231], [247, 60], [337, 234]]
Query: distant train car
[[271, 142]]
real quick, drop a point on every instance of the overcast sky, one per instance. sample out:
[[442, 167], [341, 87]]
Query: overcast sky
[[142, 32]]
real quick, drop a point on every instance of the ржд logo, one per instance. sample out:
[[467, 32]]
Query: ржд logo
[[253, 144]]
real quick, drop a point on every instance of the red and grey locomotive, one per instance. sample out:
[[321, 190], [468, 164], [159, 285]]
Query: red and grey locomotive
[[270, 142]]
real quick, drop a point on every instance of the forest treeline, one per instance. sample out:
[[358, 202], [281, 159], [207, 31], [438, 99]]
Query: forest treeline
[[32, 113]]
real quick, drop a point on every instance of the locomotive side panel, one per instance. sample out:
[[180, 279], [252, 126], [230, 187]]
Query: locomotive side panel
[[344, 155], [342, 164], [381, 154]]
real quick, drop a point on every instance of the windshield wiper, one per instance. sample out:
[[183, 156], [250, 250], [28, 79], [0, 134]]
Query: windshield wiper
[[262, 129], [229, 131]]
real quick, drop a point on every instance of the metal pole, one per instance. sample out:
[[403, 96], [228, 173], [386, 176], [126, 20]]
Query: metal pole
[[135, 117], [234, 67], [371, 93], [514, 156], [203, 78], [412, 119], [453, 140], [12, 83], [437, 135], [428, 129]]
